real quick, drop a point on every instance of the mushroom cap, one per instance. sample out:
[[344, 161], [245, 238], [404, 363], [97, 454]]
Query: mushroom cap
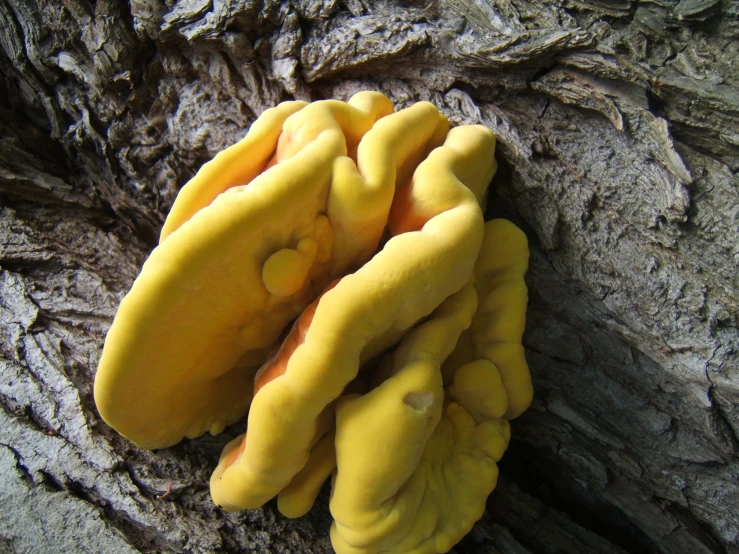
[[234, 166], [300, 206], [446, 484], [494, 338], [297, 498], [241, 256], [362, 315], [420, 494], [429, 344], [396, 418]]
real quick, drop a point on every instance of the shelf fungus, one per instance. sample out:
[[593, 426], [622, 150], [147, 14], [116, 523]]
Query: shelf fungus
[[438, 421], [331, 276]]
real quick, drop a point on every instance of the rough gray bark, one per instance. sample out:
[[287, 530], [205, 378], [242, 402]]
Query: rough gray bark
[[619, 149]]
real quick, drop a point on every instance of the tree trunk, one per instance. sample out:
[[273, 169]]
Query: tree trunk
[[618, 128]]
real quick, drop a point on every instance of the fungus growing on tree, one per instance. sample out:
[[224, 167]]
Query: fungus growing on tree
[[363, 227], [430, 258]]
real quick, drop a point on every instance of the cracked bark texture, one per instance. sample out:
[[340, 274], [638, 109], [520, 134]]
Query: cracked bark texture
[[619, 150]]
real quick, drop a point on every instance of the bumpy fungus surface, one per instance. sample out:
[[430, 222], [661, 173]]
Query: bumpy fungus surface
[[243, 252], [424, 484], [364, 224], [429, 257]]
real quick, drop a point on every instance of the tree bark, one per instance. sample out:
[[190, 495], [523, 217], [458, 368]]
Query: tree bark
[[619, 150]]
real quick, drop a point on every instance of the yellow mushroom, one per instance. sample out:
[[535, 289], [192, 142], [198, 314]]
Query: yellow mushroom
[[436, 238], [490, 351], [286, 224], [417, 491], [297, 498], [235, 166], [250, 241], [397, 418]]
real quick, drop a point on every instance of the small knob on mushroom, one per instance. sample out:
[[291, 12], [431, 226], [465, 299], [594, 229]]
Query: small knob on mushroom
[[285, 271]]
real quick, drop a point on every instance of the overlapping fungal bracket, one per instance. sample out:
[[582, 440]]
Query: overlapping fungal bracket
[[363, 226]]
